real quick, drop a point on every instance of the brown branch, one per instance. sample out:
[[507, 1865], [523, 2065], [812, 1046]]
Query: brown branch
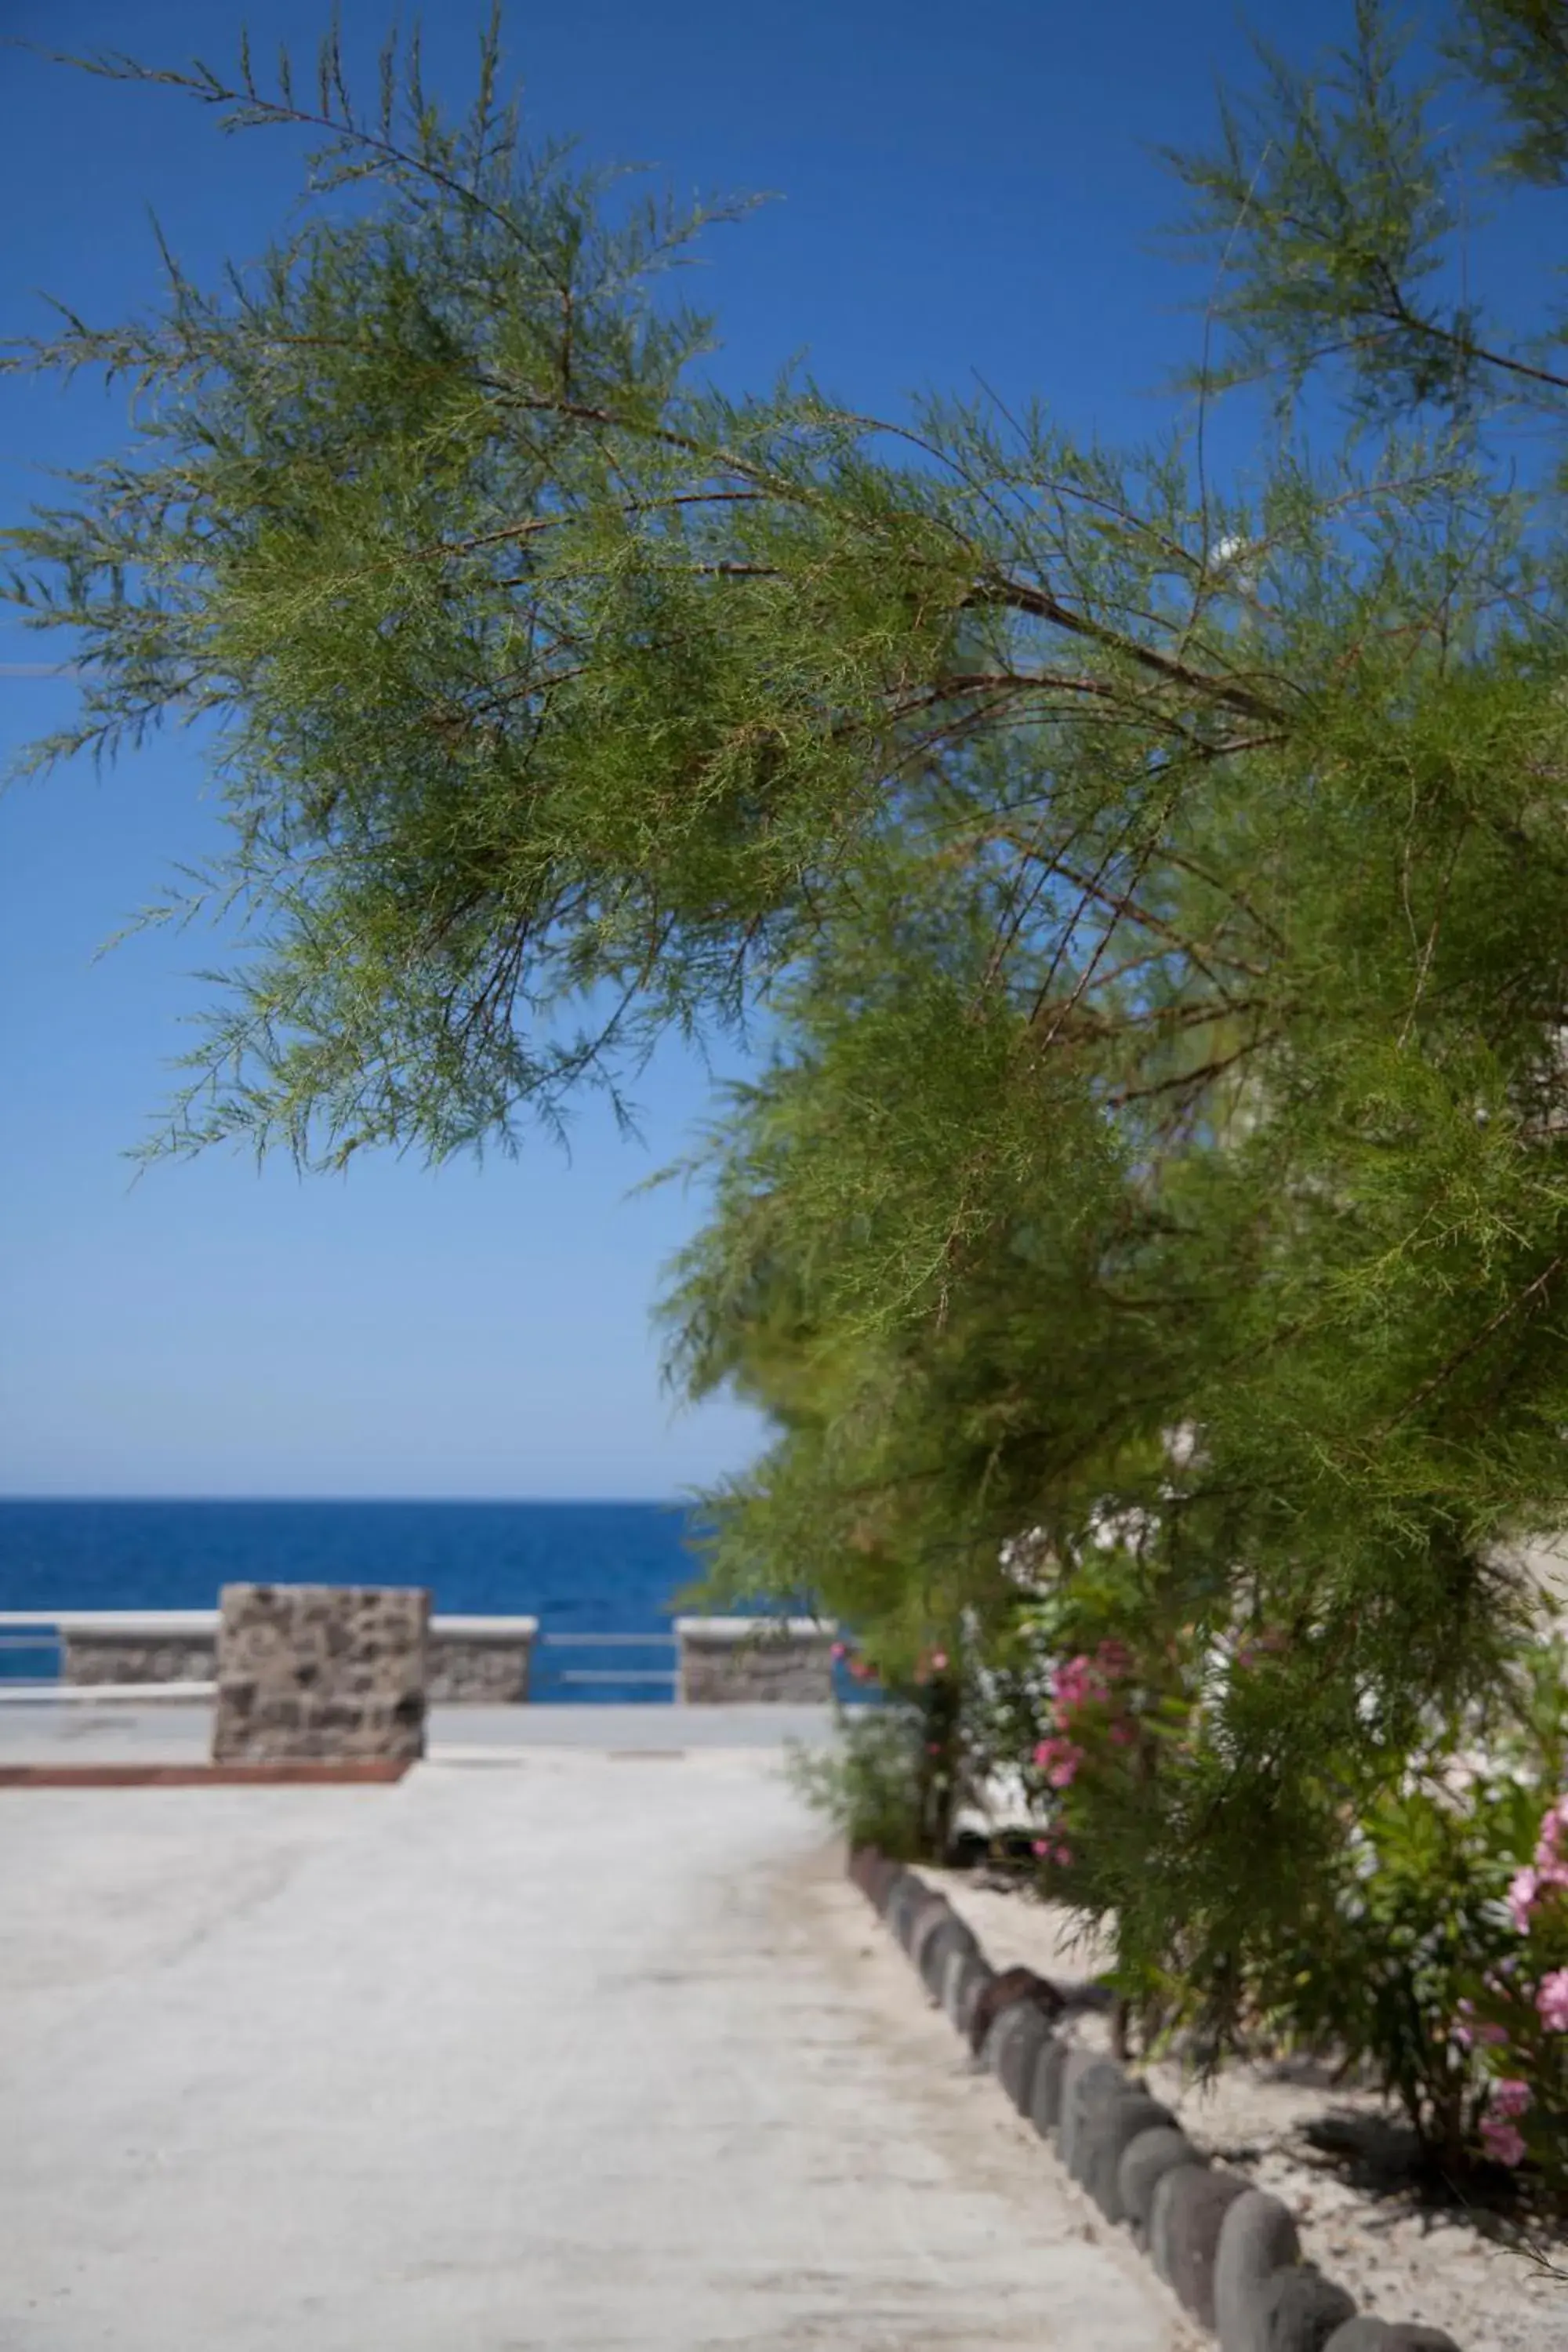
[[1445, 1371], [1017, 595]]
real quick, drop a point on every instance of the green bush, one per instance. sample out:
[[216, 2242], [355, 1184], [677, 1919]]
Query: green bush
[[1439, 1953], [869, 1784]]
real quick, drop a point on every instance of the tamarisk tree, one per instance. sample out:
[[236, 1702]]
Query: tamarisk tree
[[1156, 892]]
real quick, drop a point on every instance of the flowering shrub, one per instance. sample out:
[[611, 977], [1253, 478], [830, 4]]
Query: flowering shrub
[[1088, 1703], [1440, 1955], [898, 1774], [1516, 2021]]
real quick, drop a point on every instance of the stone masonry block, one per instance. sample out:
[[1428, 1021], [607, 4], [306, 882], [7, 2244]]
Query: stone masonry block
[[321, 1673]]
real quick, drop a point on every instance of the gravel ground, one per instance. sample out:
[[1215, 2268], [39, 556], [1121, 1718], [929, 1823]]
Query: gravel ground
[[1396, 2259]]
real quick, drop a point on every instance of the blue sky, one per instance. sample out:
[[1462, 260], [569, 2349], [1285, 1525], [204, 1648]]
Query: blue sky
[[958, 196]]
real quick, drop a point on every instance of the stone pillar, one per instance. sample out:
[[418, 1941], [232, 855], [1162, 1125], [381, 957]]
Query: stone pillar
[[737, 1660], [480, 1661], [319, 1672]]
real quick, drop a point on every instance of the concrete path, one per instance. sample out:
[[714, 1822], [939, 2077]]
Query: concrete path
[[566, 2049]]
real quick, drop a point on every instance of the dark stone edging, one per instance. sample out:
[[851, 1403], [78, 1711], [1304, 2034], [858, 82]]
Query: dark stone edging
[[1229, 2252]]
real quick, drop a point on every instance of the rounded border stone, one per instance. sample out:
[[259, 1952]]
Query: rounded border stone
[[925, 1921], [1004, 2025], [920, 1916], [1109, 2129], [1299, 2309], [1145, 2164], [1046, 2103], [905, 1892], [1012, 1985], [954, 1962], [1184, 2223], [1020, 2054], [878, 1880], [954, 1935], [1258, 2237], [972, 1985], [1085, 2067]]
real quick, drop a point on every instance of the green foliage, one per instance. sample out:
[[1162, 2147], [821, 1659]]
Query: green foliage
[[1338, 207], [867, 1782], [1406, 1938], [1412, 1956]]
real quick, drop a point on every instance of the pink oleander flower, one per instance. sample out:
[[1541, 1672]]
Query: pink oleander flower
[[1042, 1847], [1076, 1684], [1554, 1821], [939, 1662], [1113, 1658], [1522, 1889], [1493, 2037], [1503, 2141], [1552, 1999], [1510, 2098], [1122, 1733], [1058, 1759], [1063, 1853]]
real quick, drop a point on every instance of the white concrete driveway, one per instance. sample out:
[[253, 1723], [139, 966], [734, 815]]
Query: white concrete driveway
[[548, 2051]]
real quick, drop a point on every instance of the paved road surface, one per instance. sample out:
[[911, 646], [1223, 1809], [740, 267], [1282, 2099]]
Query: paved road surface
[[553, 2050]]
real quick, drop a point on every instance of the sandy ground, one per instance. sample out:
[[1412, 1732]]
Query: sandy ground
[[569, 2050], [1401, 2264]]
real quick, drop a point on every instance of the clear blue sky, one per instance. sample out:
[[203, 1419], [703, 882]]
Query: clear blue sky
[[959, 192]]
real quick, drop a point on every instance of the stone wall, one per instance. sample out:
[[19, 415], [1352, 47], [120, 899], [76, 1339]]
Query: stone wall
[[331, 1673], [736, 1661], [139, 1656], [480, 1663], [473, 1661]]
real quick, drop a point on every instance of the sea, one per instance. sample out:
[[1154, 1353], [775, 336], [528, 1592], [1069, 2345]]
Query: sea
[[579, 1568]]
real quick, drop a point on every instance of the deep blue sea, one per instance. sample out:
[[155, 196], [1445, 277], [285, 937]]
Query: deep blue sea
[[614, 1568]]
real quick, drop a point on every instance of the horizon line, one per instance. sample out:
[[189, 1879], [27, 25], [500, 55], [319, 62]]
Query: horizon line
[[460, 1502]]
